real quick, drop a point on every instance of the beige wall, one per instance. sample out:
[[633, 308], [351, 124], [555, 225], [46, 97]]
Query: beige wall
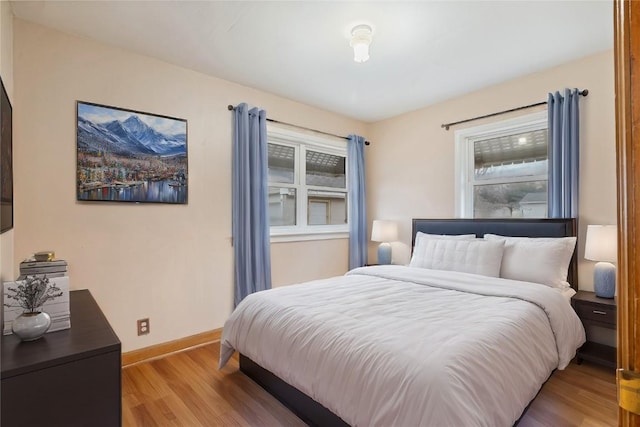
[[6, 72], [172, 264], [410, 166], [296, 262]]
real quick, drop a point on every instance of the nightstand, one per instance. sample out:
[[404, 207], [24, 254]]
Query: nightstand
[[596, 311]]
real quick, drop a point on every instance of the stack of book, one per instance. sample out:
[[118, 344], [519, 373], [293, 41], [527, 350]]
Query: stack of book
[[58, 308], [53, 268]]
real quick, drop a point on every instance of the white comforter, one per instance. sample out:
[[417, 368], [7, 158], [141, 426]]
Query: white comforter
[[400, 346]]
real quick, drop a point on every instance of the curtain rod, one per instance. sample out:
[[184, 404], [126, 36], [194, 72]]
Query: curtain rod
[[231, 108], [446, 126]]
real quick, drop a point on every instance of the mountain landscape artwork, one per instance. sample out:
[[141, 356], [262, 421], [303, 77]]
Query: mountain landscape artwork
[[129, 156]]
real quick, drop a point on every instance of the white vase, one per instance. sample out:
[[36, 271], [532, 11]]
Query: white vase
[[31, 326]]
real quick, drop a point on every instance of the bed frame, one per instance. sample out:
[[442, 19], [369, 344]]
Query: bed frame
[[312, 412]]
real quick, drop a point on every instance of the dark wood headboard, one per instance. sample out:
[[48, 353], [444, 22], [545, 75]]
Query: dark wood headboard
[[519, 227]]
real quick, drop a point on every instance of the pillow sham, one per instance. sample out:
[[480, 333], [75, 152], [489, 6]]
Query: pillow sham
[[542, 260], [475, 256], [420, 235]]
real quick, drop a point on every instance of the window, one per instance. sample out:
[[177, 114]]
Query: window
[[501, 169], [307, 186]]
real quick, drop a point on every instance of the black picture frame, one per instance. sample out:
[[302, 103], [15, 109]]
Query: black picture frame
[[6, 161], [125, 155]]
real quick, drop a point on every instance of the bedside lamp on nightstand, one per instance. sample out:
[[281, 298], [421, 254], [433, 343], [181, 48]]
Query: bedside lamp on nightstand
[[385, 232], [601, 246]]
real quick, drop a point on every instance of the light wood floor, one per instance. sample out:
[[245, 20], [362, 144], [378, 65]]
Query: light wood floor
[[187, 389]]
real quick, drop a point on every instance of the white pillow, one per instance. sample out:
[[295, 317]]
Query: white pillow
[[446, 236], [475, 256], [420, 235], [536, 259]]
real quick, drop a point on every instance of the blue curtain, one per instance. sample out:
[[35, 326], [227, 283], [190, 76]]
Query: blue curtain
[[357, 203], [564, 153], [250, 228]]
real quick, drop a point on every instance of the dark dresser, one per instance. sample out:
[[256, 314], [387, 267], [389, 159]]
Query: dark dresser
[[68, 378]]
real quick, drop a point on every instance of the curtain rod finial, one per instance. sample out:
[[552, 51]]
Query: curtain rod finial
[[367, 143], [231, 107], [585, 92]]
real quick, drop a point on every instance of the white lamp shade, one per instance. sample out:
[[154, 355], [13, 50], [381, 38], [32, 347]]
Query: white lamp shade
[[384, 231], [602, 243]]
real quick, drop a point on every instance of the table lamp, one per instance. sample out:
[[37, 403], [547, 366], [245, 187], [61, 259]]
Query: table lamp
[[601, 246], [384, 232]]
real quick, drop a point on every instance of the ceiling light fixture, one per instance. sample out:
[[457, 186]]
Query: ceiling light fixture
[[360, 41]]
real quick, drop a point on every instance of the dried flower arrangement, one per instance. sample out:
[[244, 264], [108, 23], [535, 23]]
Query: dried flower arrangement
[[32, 293]]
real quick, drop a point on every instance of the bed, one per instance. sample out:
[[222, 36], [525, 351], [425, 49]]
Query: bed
[[408, 346]]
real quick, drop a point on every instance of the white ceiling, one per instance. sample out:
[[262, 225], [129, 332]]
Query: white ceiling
[[422, 52]]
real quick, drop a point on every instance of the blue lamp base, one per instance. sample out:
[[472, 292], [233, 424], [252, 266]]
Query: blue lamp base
[[384, 253], [604, 280]]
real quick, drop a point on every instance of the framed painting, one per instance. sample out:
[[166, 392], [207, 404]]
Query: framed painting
[[6, 161], [130, 156]]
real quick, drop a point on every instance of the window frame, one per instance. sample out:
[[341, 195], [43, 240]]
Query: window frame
[[464, 156], [301, 141]]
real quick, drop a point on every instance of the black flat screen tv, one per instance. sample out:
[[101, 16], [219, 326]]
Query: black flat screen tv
[[6, 162]]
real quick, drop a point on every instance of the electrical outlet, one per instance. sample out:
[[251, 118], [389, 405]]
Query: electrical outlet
[[143, 326]]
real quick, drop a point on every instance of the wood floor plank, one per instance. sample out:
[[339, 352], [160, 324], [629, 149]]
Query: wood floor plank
[[581, 395], [187, 389]]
